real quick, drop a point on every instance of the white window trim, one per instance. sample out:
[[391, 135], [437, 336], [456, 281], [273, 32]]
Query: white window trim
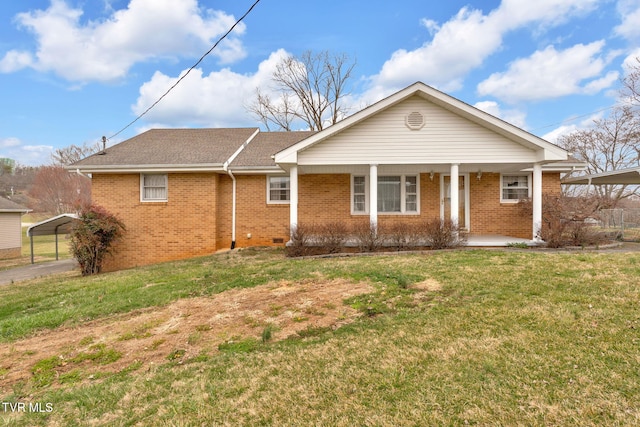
[[529, 182], [403, 195], [166, 186], [277, 202]]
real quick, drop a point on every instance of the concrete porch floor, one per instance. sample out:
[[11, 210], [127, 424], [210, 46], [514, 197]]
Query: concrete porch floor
[[495, 240]]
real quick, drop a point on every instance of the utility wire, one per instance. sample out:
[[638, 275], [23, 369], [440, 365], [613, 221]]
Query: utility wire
[[188, 71]]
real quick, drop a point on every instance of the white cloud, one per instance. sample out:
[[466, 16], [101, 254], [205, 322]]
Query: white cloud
[[567, 129], [9, 142], [550, 73], [15, 60], [218, 99], [105, 50], [629, 28], [514, 117], [29, 155], [466, 40]]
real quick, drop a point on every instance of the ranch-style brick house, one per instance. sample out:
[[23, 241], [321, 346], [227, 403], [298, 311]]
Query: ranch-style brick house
[[189, 192]]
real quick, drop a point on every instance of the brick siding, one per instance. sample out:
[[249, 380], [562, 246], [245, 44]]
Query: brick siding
[[196, 219]]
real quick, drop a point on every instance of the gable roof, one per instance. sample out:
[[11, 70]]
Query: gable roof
[[7, 205], [170, 149], [547, 150]]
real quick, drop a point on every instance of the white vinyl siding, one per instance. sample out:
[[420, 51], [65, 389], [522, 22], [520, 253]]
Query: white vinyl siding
[[445, 138], [515, 187], [10, 230], [278, 189], [153, 187], [397, 194]]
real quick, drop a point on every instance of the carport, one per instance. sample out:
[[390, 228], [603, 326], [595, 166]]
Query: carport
[[630, 176], [57, 225]]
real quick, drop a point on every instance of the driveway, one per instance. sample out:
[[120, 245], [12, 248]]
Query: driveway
[[33, 271]]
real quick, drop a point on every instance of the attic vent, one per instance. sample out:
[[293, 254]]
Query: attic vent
[[414, 120]]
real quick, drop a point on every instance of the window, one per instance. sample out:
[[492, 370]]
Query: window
[[396, 194], [359, 194], [278, 189], [515, 187], [153, 188]]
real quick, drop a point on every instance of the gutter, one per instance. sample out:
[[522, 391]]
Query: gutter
[[225, 167]]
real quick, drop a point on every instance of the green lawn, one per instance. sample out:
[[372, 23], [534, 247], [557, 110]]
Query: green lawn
[[511, 337]]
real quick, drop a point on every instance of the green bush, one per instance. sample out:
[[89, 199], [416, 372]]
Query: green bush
[[93, 236]]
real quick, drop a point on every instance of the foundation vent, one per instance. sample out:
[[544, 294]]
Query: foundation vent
[[414, 120], [278, 240]]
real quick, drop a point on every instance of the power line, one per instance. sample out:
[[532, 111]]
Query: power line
[[188, 71]]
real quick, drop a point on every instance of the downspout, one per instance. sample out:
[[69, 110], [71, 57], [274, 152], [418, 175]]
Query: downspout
[[233, 209], [225, 167]]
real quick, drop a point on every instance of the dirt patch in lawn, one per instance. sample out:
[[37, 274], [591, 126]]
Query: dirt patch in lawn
[[183, 329]]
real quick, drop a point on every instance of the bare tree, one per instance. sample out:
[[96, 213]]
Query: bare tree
[[311, 89], [73, 153], [58, 191], [631, 84], [612, 144]]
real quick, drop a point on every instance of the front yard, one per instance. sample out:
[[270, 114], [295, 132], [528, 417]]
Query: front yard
[[489, 337]]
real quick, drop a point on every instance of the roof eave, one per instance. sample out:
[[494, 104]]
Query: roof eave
[[209, 167]]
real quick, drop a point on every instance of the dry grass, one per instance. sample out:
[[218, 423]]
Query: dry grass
[[476, 337]]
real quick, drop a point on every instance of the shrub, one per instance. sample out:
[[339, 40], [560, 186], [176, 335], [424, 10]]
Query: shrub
[[442, 233], [93, 236], [367, 237], [402, 235], [563, 219], [330, 237], [300, 241]]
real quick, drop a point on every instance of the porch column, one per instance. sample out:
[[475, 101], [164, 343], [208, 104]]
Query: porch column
[[537, 201], [373, 195], [454, 196], [293, 198]]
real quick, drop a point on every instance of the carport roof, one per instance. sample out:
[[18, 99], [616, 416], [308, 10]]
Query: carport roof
[[60, 224], [629, 176]]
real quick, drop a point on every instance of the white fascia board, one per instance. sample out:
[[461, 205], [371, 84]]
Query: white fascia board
[[217, 167], [257, 170], [547, 150]]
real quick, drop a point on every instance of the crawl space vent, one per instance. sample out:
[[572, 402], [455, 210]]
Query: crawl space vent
[[414, 120]]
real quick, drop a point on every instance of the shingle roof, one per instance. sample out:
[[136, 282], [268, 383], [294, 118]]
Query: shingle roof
[[7, 205], [172, 147], [258, 153]]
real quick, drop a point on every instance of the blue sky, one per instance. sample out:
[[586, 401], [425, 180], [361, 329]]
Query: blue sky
[[72, 71]]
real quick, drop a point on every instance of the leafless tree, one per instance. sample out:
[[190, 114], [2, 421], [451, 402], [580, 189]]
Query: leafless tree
[[57, 191], [73, 153], [631, 84], [310, 88], [612, 144]]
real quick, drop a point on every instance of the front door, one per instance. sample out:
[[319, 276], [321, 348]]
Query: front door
[[463, 199]]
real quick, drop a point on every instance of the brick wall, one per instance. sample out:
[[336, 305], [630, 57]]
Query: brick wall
[[182, 227], [254, 216], [197, 218]]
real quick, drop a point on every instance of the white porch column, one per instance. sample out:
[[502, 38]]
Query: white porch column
[[537, 201], [454, 193], [293, 198], [373, 195]]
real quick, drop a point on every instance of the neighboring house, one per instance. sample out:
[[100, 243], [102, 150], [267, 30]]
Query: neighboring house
[[11, 228], [189, 192]]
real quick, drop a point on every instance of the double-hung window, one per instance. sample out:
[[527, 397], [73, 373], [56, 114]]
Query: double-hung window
[[278, 189], [153, 187], [397, 194], [515, 187]]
